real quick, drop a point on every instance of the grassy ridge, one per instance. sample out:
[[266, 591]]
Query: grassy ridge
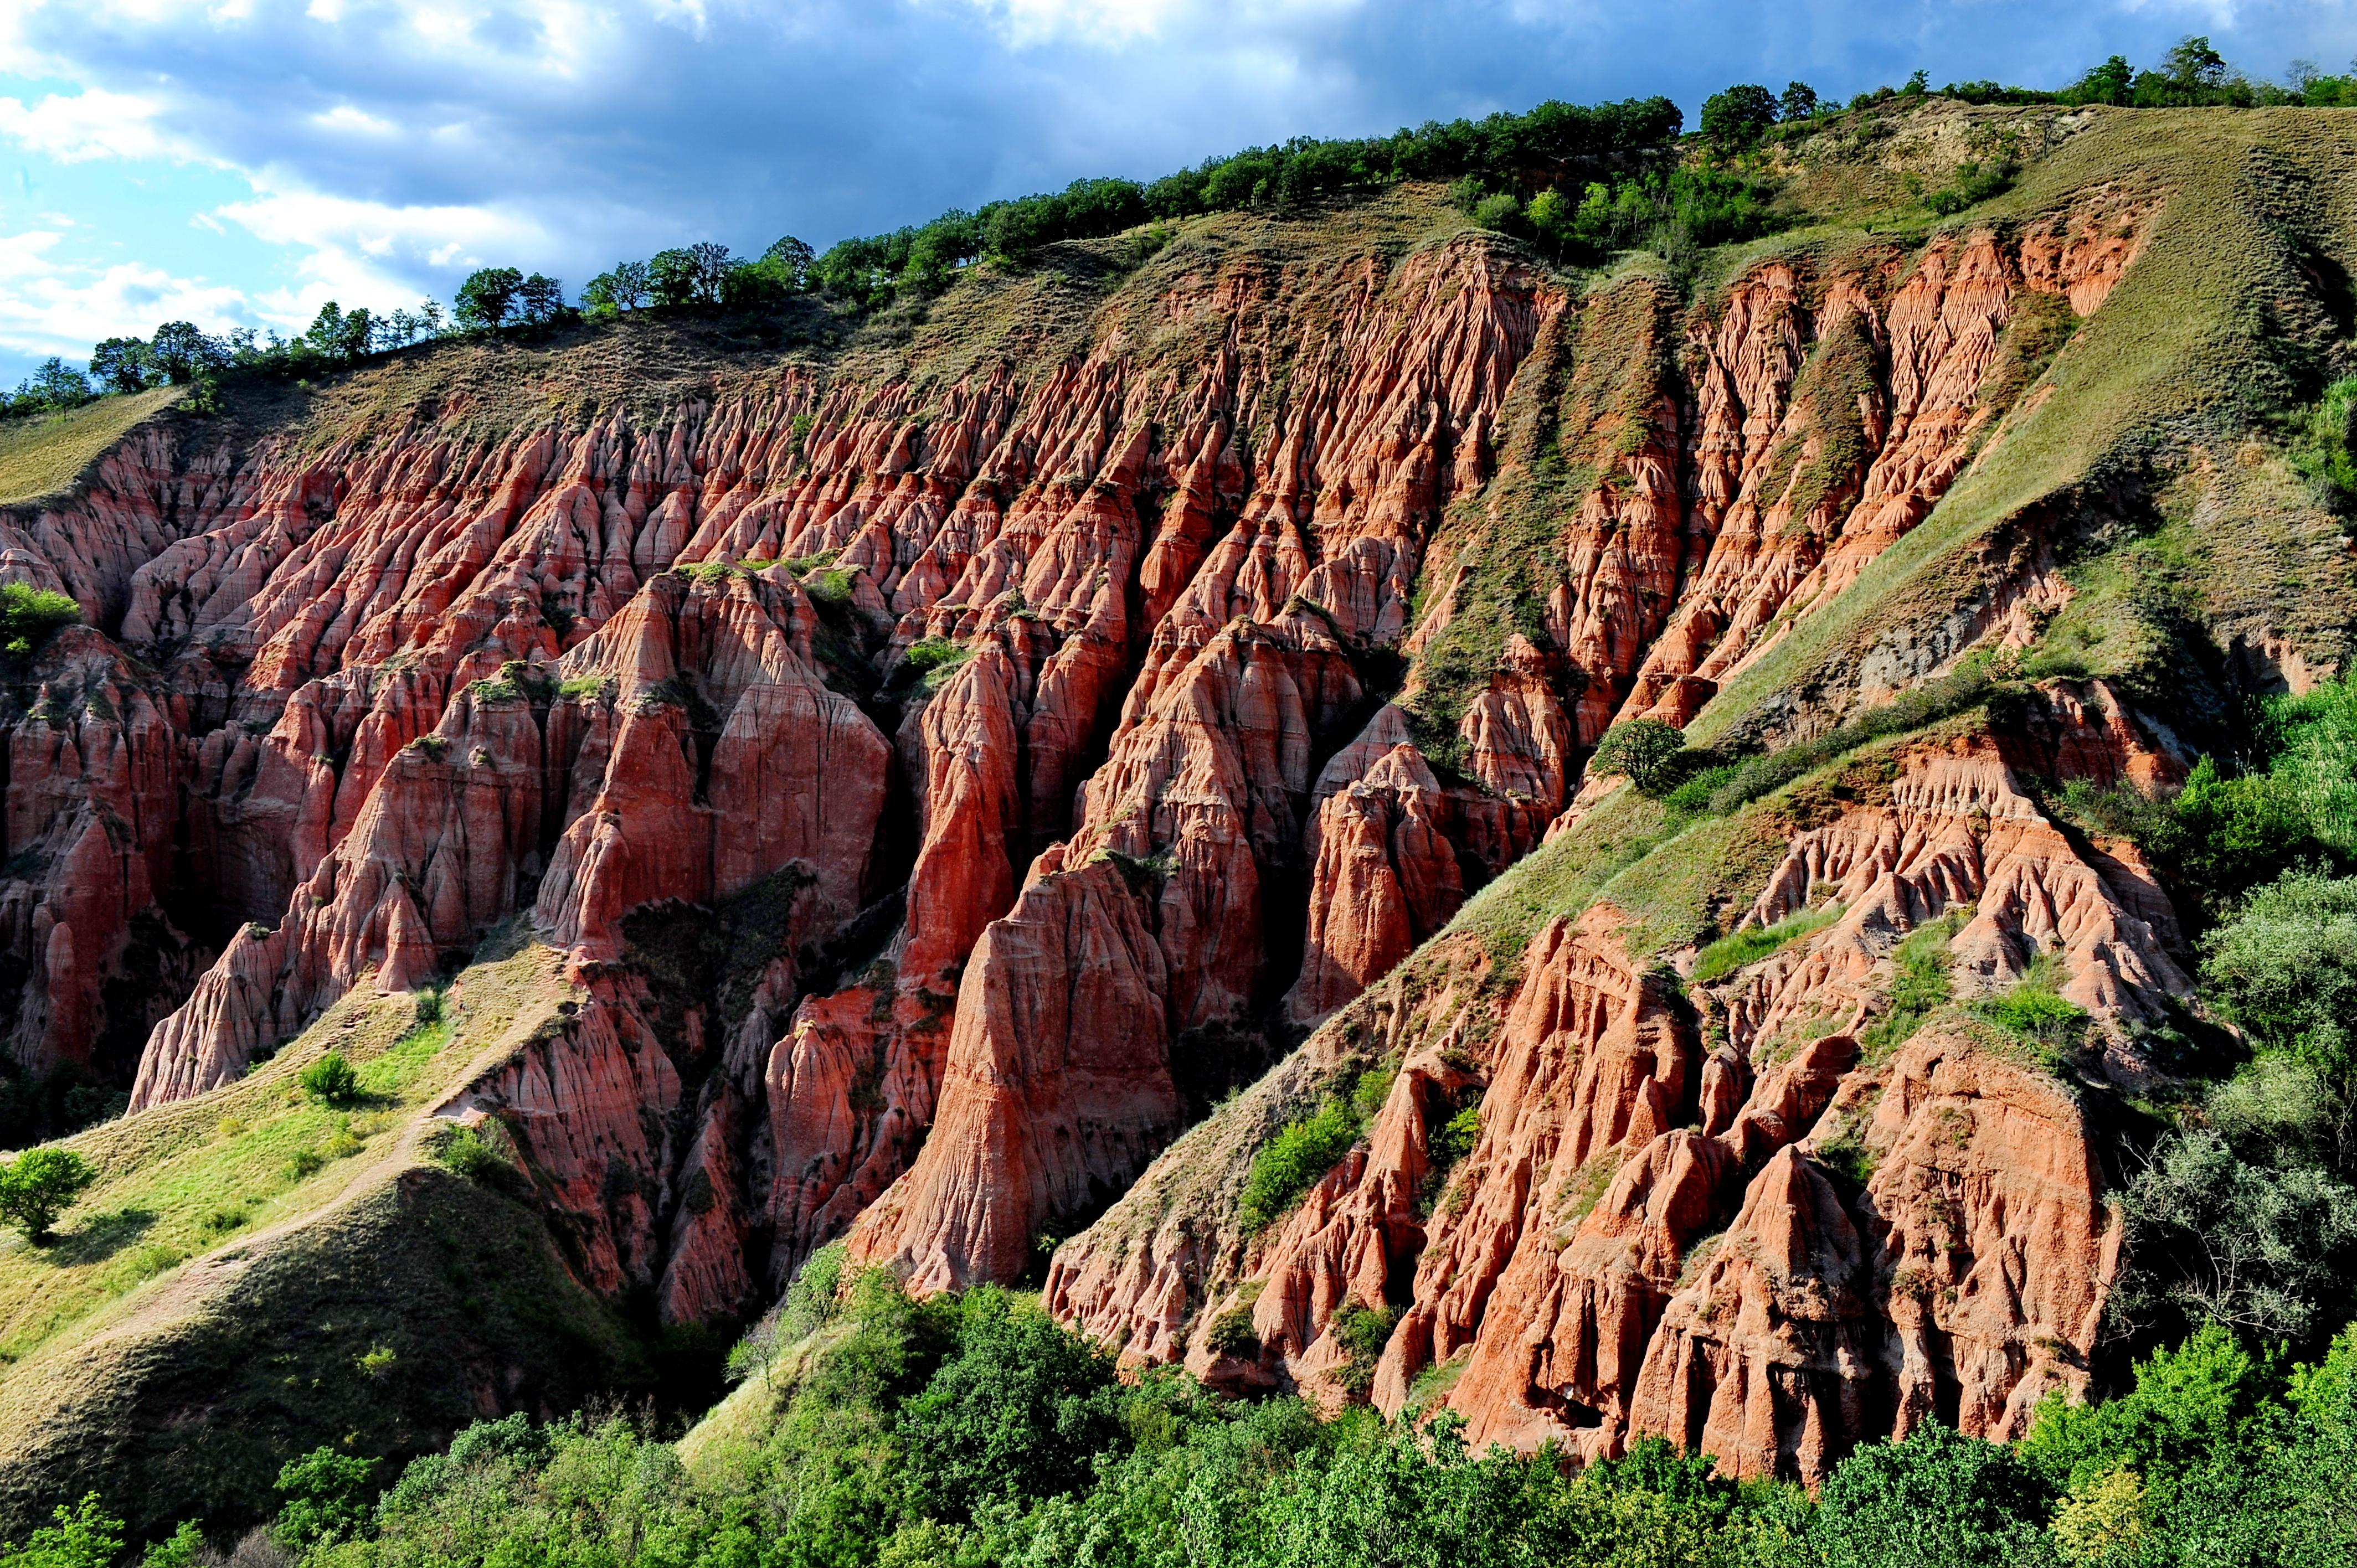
[[2217, 329], [42, 457], [207, 1309]]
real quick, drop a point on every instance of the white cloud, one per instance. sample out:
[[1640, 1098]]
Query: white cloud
[[295, 216], [27, 254], [1114, 24], [347, 118], [51, 304], [371, 252], [92, 124]]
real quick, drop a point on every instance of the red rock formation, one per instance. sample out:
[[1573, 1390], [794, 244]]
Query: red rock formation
[[1567, 1273], [1767, 1361], [657, 798], [1209, 771], [430, 666], [1058, 1082], [92, 769], [721, 756], [1384, 878]]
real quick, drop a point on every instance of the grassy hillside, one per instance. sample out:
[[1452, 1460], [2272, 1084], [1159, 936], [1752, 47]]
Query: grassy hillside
[[2167, 406], [45, 454], [254, 1273]]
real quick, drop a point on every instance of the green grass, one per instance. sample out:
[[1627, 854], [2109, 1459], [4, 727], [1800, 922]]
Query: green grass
[[1581, 404], [2181, 349], [1293, 1162], [252, 1148], [2033, 1015], [45, 453], [1750, 945], [1919, 988], [208, 1302]]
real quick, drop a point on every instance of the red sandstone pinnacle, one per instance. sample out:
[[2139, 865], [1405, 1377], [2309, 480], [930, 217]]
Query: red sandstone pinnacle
[[1766, 1360], [92, 773], [1057, 1082], [1386, 879]]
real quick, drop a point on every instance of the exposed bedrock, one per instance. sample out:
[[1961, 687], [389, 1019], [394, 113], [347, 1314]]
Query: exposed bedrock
[[1662, 1227], [1096, 722]]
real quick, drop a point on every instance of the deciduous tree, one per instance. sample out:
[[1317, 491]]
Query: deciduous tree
[[39, 1185]]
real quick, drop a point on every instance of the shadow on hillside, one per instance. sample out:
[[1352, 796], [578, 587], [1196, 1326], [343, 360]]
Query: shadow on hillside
[[101, 1236]]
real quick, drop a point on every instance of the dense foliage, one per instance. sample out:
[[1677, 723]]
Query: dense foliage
[[973, 1431], [1288, 1165], [39, 1185], [29, 614], [2245, 1206]]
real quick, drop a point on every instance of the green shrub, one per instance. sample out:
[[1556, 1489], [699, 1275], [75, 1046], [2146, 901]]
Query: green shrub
[[221, 1222], [1847, 1159], [466, 1153], [1501, 211], [328, 1496], [2284, 968], [331, 1080], [1453, 1139], [1641, 749], [1292, 1162], [29, 614], [1976, 183], [304, 1163], [1446, 1143], [84, 1536], [1362, 1332], [930, 661], [2242, 1238], [1920, 987], [1016, 1412], [2200, 1401], [2321, 444], [1936, 1500], [2034, 1011], [184, 1547], [341, 1143], [1231, 1334], [1750, 945], [2227, 836], [1694, 798], [39, 1185]]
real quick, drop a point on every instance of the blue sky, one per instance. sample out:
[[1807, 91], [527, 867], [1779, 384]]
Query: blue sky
[[237, 161]]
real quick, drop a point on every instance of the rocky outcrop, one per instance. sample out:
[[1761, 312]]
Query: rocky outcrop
[[1272, 614], [92, 769], [1662, 1227], [1056, 1084], [1201, 807], [677, 754], [1384, 878]]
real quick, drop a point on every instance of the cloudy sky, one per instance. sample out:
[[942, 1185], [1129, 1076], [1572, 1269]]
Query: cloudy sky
[[237, 161]]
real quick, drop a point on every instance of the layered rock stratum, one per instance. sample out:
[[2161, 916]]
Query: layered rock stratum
[[954, 758]]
